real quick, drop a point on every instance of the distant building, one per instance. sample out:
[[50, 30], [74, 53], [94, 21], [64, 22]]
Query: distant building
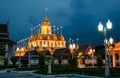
[[85, 49], [85, 55], [6, 42], [62, 54], [115, 54]]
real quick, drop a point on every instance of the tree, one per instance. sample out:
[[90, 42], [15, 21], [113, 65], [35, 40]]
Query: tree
[[24, 61], [41, 60], [2, 50], [60, 60], [100, 53], [14, 59], [48, 58]]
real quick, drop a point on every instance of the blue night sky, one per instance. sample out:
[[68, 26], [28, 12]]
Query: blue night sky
[[79, 18]]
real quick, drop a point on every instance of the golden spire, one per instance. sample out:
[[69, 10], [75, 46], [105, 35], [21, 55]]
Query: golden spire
[[46, 27], [46, 17]]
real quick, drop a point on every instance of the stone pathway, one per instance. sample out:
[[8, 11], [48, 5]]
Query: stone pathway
[[29, 74], [13, 74]]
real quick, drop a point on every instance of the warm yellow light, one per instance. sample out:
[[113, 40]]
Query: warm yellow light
[[111, 40], [90, 50], [70, 46], [17, 49], [22, 49]]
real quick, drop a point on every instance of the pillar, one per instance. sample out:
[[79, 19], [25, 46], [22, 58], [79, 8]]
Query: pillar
[[119, 58], [114, 60], [49, 68], [6, 47], [13, 54]]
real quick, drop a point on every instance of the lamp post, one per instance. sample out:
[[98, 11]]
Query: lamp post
[[104, 31], [72, 47], [28, 54], [20, 50], [77, 46], [109, 43]]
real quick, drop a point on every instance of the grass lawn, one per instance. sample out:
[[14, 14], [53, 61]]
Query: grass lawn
[[66, 69], [10, 66], [33, 67]]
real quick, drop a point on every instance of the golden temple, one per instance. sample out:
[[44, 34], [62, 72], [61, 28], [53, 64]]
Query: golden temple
[[44, 40]]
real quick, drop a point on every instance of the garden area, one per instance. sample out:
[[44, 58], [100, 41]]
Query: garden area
[[67, 69], [70, 68]]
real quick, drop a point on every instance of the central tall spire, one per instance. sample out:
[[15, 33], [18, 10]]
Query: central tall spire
[[46, 27], [46, 17]]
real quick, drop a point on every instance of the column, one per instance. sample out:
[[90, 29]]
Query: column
[[114, 60], [6, 47], [13, 54], [119, 58], [49, 67]]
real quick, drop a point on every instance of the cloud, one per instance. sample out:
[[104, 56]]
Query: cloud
[[86, 14], [79, 18]]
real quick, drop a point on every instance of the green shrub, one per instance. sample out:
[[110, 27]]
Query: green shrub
[[49, 58], [74, 62]]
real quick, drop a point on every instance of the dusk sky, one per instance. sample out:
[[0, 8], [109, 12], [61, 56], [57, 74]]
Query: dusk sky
[[79, 18]]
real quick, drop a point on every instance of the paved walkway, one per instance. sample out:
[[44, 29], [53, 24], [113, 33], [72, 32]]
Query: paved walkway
[[16, 74], [29, 74]]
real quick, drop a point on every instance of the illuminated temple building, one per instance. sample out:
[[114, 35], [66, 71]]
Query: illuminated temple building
[[46, 39]]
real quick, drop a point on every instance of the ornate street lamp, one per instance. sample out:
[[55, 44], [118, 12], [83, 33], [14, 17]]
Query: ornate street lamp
[[104, 31], [19, 50], [108, 44], [92, 51], [29, 54], [77, 46], [72, 47]]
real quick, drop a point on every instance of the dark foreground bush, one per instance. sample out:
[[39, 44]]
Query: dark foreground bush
[[24, 61], [14, 59]]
